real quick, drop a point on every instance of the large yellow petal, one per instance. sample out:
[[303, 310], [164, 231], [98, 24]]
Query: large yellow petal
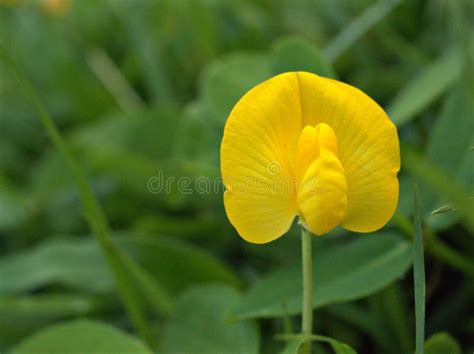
[[368, 148], [260, 137]]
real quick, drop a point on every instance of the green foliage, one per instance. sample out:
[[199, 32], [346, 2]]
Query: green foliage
[[93, 212], [296, 54], [13, 206], [453, 156], [435, 79], [441, 343], [227, 79], [437, 179], [80, 337], [364, 266], [199, 324], [358, 27], [48, 306], [69, 263], [294, 346], [175, 263], [132, 89]]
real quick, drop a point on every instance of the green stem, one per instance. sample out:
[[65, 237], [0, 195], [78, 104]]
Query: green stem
[[419, 275], [307, 319]]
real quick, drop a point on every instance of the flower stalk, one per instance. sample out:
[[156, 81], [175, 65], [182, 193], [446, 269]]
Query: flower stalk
[[307, 262]]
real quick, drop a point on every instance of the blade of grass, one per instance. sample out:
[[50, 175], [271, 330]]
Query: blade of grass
[[461, 27], [418, 273], [146, 51], [159, 299], [425, 87], [445, 209], [94, 214], [114, 81], [358, 27]]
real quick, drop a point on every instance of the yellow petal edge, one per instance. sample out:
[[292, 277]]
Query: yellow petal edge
[[302, 145]]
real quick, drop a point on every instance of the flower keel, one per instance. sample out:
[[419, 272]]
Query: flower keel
[[322, 194]]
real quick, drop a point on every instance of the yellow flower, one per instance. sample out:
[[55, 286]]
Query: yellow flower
[[302, 145]]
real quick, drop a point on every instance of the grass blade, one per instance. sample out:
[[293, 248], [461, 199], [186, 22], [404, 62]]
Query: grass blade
[[419, 273], [94, 214], [357, 28], [444, 209], [114, 81], [426, 87], [147, 52]]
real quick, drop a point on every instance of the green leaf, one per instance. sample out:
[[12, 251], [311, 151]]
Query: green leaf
[[341, 348], [199, 324], [81, 337], [297, 54], [226, 80], [293, 347], [442, 343], [149, 133], [172, 263], [197, 142], [364, 266], [175, 263], [419, 272], [425, 87], [66, 262], [70, 263], [338, 347]]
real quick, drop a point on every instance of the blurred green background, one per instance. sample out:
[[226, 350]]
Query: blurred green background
[[141, 89]]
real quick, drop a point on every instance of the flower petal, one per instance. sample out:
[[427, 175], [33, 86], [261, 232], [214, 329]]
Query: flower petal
[[311, 140], [322, 196], [368, 147], [260, 137]]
